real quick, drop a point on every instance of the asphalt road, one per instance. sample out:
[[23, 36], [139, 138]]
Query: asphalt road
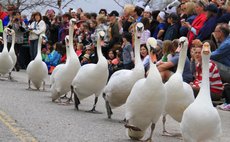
[[30, 116]]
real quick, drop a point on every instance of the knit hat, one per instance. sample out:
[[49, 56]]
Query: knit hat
[[73, 11], [114, 13], [162, 15], [212, 8], [160, 43], [147, 9]]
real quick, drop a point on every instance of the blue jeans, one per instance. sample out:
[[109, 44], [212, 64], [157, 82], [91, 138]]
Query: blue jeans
[[224, 72], [33, 48]]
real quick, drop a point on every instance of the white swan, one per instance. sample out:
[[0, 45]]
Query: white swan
[[6, 62], [91, 78], [12, 52], [37, 70], [146, 101], [201, 121], [179, 94], [63, 76], [121, 82]]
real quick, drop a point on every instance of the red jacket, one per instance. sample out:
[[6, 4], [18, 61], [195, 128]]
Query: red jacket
[[3, 15], [197, 24]]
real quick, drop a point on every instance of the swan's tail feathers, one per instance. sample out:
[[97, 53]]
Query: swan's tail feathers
[[76, 99]]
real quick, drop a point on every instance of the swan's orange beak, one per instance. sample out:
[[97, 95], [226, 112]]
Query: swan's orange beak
[[206, 48]]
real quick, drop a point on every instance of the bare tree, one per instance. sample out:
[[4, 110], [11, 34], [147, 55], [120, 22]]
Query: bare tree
[[121, 3], [154, 4], [32, 5]]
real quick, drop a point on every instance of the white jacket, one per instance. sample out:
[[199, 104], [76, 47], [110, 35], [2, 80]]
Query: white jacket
[[37, 29]]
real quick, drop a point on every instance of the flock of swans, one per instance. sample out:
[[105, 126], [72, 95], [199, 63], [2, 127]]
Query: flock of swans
[[145, 99]]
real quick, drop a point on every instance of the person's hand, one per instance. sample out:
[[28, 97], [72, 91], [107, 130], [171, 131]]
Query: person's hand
[[48, 51], [186, 24]]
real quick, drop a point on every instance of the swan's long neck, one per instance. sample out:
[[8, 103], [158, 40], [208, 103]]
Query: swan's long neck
[[204, 93], [5, 42], [152, 68], [71, 30], [39, 56], [101, 58], [182, 59], [12, 44], [137, 59]]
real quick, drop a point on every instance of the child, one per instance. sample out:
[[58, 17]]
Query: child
[[54, 57], [166, 50], [161, 27]]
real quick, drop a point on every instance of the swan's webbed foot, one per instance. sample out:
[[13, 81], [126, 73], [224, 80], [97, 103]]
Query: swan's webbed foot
[[64, 96], [69, 100], [11, 78], [134, 128], [147, 140], [168, 134], [29, 87], [57, 101], [93, 110], [124, 121]]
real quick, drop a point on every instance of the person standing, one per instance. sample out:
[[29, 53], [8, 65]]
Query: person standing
[[36, 28], [18, 25], [3, 14], [127, 51], [197, 23]]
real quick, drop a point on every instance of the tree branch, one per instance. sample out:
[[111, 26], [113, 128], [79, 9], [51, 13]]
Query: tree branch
[[67, 4], [119, 4]]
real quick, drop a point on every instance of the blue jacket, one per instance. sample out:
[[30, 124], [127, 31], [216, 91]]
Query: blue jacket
[[6, 20], [207, 29], [225, 18], [53, 59], [222, 53]]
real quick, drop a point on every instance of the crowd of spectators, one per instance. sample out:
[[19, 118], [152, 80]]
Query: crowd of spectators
[[198, 20]]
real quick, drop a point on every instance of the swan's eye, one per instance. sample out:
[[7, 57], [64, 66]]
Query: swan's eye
[[139, 29], [181, 43]]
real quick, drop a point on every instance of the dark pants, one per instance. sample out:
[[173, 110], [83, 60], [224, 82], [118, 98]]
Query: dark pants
[[226, 93], [128, 66], [224, 72], [33, 48]]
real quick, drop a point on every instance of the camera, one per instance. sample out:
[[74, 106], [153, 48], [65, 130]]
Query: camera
[[16, 19]]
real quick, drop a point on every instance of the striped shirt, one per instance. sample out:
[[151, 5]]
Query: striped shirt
[[216, 84]]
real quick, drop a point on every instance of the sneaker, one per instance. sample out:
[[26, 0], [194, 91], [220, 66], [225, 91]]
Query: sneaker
[[227, 107], [224, 106], [221, 106]]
